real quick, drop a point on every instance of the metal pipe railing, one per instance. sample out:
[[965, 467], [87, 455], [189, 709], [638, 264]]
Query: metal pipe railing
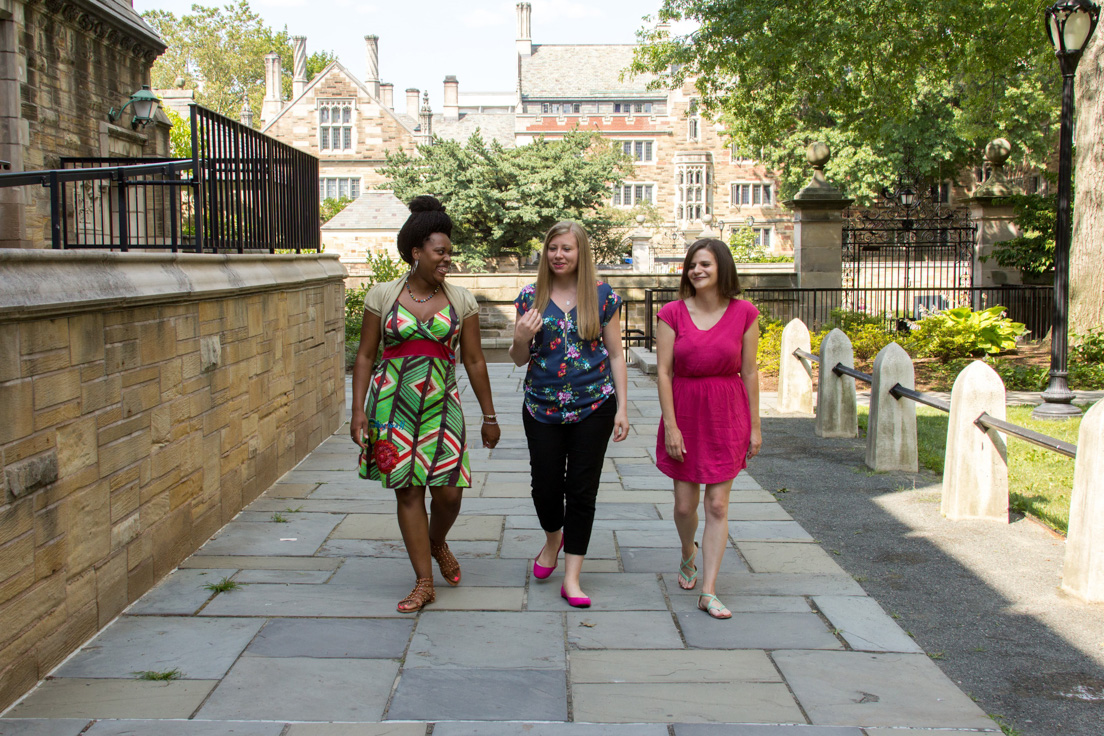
[[985, 421]]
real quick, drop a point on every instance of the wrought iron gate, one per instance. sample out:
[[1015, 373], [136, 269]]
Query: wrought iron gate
[[912, 242]]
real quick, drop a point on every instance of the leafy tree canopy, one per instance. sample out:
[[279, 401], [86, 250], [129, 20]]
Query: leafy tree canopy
[[501, 198], [220, 52], [874, 81]]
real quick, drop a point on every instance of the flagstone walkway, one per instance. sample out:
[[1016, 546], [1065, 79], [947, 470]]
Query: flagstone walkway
[[310, 644]]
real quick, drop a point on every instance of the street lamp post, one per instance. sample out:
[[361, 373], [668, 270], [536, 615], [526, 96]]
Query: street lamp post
[[1070, 24]]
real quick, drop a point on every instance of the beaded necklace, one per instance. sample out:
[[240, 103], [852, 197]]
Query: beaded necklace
[[416, 299]]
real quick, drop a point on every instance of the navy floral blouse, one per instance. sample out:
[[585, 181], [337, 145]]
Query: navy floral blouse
[[568, 377]]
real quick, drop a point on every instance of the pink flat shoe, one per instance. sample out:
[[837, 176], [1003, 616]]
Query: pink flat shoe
[[540, 571], [582, 601]]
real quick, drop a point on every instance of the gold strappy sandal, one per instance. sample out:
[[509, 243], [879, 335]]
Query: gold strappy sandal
[[421, 595], [450, 568]]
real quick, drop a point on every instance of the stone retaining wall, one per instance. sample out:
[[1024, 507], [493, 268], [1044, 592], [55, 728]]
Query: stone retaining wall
[[145, 399]]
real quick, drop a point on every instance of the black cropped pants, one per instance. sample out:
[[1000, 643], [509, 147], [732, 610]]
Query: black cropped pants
[[566, 462]]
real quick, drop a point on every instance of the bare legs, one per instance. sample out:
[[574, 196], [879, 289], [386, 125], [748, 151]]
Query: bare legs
[[715, 536], [573, 564], [419, 529]]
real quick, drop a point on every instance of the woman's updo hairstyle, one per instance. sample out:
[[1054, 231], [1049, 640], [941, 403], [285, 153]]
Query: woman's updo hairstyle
[[427, 216]]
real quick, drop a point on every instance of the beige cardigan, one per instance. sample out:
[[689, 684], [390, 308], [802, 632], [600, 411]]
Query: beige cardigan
[[381, 297]]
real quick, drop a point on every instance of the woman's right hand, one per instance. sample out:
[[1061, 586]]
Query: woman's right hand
[[526, 327], [672, 439], [358, 427]]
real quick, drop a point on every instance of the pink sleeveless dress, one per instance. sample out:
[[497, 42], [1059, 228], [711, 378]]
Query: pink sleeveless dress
[[711, 401]]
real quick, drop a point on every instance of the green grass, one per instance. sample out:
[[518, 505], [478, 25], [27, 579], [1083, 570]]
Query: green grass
[[279, 518], [223, 586], [173, 674], [1039, 481]]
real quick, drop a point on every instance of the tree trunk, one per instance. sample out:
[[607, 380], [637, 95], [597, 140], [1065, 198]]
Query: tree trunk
[[1087, 247]]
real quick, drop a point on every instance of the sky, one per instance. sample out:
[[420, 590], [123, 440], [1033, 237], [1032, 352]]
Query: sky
[[422, 41]]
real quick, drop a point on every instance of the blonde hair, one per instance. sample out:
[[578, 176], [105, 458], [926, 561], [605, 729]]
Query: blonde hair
[[586, 280]]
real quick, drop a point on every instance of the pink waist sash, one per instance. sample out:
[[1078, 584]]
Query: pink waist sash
[[425, 348]]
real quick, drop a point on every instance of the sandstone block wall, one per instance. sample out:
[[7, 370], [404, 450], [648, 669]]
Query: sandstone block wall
[[141, 418]]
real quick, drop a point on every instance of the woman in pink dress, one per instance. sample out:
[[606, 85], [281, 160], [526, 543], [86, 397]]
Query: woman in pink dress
[[709, 394]]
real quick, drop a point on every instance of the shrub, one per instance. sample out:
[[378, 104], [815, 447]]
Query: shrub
[[868, 339], [962, 333], [849, 321], [383, 269], [1089, 347]]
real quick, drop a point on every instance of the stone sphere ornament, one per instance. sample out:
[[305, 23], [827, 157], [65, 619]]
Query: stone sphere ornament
[[997, 151], [818, 154]]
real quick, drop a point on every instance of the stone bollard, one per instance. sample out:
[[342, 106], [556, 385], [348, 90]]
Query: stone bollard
[[837, 415], [795, 375], [1083, 572], [975, 472], [891, 431]]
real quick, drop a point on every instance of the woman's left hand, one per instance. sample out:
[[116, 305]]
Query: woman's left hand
[[490, 433], [620, 425], [756, 443]]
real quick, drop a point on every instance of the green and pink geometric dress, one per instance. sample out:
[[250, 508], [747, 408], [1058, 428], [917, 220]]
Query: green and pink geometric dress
[[415, 422]]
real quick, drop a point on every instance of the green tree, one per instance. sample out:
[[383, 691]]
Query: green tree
[[220, 52], [500, 199], [874, 81], [180, 136], [329, 208]]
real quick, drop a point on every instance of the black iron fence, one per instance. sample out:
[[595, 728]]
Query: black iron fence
[[1030, 305], [241, 191]]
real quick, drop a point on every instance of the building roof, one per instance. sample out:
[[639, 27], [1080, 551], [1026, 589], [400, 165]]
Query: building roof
[[123, 16], [576, 71], [492, 126], [371, 211]]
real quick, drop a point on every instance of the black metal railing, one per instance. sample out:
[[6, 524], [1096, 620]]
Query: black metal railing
[[1031, 305], [241, 191], [985, 420]]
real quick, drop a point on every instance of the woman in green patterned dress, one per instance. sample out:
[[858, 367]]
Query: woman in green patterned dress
[[406, 407]]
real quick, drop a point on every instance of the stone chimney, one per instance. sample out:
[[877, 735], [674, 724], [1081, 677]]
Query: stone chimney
[[452, 98], [299, 77], [425, 119], [412, 96], [524, 34], [274, 98], [371, 75], [387, 95]]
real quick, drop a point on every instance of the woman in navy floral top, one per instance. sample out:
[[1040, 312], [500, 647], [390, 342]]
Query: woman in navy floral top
[[567, 330]]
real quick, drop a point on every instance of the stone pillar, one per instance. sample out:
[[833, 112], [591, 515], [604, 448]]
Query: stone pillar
[[975, 472], [412, 106], [524, 32], [12, 202], [451, 106], [642, 256], [274, 98], [795, 375], [299, 66], [246, 114], [818, 226], [994, 221], [891, 431], [387, 95], [1083, 571], [371, 75], [837, 412]]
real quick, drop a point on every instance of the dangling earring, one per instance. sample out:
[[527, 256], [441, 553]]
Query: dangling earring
[[414, 266]]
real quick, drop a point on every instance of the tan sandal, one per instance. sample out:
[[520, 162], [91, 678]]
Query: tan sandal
[[450, 568], [421, 595]]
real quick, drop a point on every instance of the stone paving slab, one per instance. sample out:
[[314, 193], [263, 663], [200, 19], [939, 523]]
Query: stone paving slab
[[498, 641], [184, 728], [480, 694], [861, 689], [303, 689], [666, 559], [285, 577], [864, 625], [255, 562], [617, 630], [548, 729], [774, 584], [181, 592], [356, 729], [698, 729], [74, 697], [607, 591], [701, 702], [302, 537], [678, 665], [332, 638], [42, 726], [202, 649], [307, 600], [757, 631], [795, 557]]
